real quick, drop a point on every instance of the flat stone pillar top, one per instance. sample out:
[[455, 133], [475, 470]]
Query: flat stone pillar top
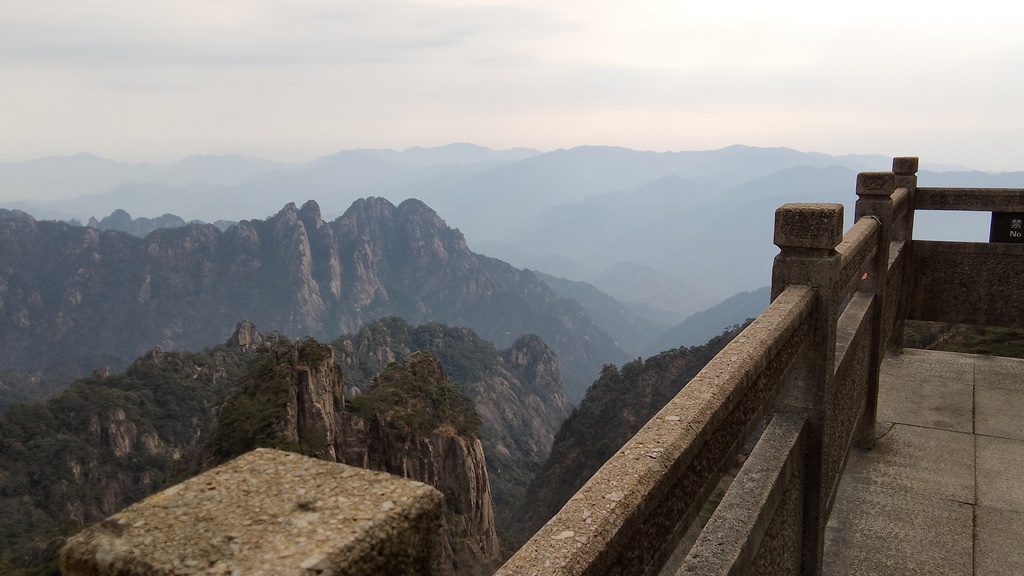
[[812, 225], [266, 512]]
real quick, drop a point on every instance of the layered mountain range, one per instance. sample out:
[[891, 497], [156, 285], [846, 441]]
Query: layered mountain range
[[70, 292], [112, 439], [669, 234], [380, 398]]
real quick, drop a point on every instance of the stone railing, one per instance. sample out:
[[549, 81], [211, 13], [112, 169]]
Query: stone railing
[[800, 383], [808, 366], [968, 282]]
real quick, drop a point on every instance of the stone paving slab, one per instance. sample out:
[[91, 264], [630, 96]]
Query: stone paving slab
[[905, 507], [997, 372], [914, 389], [930, 366], [933, 404], [916, 504], [885, 532], [1000, 478], [928, 463], [999, 550], [998, 412]]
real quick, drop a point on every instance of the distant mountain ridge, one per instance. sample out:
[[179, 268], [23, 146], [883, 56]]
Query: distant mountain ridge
[[123, 222], [633, 330], [704, 326], [74, 292], [696, 224], [228, 187]]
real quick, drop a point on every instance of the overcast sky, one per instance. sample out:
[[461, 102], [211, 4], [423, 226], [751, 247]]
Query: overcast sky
[[142, 80]]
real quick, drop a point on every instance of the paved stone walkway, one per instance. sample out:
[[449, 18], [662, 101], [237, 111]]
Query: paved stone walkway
[[942, 492]]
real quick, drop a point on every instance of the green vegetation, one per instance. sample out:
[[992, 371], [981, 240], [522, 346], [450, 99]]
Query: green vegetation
[[106, 442], [465, 356], [417, 398], [99, 445], [39, 384], [252, 416], [965, 338], [514, 435], [311, 352]]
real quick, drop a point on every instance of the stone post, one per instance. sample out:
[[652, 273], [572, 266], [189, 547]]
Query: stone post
[[270, 513], [807, 235], [905, 170], [874, 199]]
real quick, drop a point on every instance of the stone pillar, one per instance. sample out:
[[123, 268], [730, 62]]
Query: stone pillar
[[807, 235], [271, 513], [874, 199], [905, 170]]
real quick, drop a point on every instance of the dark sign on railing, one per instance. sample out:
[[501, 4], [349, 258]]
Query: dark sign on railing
[[1007, 227]]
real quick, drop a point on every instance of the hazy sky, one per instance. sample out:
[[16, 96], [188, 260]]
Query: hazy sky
[[142, 80]]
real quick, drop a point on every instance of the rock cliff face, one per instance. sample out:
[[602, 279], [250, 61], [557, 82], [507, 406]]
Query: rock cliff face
[[618, 404], [76, 292], [313, 420], [247, 337], [517, 391], [454, 465]]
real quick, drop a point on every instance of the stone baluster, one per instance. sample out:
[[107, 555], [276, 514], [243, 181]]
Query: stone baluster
[[905, 170], [874, 199], [807, 235]]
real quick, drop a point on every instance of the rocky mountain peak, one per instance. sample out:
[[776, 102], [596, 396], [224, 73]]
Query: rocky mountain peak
[[538, 364], [424, 367], [413, 210], [245, 338], [6, 214], [289, 214], [108, 293], [367, 211], [310, 215], [517, 393], [529, 350], [118, 220]]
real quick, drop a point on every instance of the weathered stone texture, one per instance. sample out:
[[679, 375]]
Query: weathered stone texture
[[273, 513], [626, 519], [757, 526], [809, 225], [246, 337], [977, 199], [846, 402], [967, 283]]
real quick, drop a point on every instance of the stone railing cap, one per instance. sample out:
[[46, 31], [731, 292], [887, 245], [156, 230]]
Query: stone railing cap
[[905, 164], [876, 183], [809, 226], [266, 512]]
